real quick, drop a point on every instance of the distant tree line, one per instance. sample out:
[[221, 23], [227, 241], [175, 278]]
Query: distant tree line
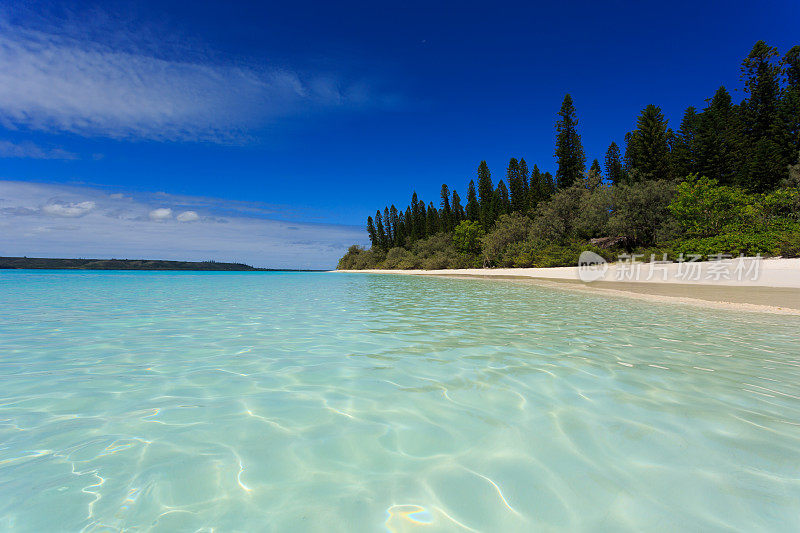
[[752, 146]]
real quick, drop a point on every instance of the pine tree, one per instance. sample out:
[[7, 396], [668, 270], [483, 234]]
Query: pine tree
[[432, 220], [383, 242], [395, 220], [761, 72], [458, 210], [516, 186], [373, 235], [550, 185], [630, 156], [446, 212], [790, 104], [409, 226], [684, 154], [717, 139], [792, 67], [422, 220], [594, 178], [648, 152], [485, 195], [569, 151], [523, 174], [413, 221], [473, 210], [401, 237], [387, 222], [535, 193], [613, 161], [501, 199]]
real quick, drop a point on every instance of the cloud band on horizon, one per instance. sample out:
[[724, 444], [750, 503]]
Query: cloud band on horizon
[[45, 220]]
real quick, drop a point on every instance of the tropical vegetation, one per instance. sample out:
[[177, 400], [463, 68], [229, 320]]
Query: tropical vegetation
[[727, 181]]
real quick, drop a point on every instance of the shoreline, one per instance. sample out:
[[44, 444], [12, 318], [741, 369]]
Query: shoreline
[[776, 289]]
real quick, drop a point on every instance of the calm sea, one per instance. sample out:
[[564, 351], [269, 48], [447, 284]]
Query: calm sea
[[145, 401]]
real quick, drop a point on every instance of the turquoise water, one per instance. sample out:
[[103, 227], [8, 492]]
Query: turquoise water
[[347, 402]]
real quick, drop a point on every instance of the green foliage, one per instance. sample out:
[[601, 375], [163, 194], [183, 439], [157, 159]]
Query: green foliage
[[485, 195], [555, 219], [613, 162], [466, 237], [717, 143], [508, 230], [502, 203], [647, 151], [747, 200], [357, 258], [569, 154], [703, 208], [517, 189], [539, 254], [640, 211], [473, 211], [594, 178], [594, 211], [784, 243]]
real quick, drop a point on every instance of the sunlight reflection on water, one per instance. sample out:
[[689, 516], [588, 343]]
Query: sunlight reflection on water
[[346, 402]]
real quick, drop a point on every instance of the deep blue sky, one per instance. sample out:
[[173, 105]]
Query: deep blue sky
[[373, 99]]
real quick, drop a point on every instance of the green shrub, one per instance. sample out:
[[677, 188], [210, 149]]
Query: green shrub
[[784, 242], [507, 230], [466, 237], [703, 208], [640, 211]]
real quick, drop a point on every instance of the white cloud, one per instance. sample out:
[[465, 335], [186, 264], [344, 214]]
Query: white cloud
[[188, 216], [52, 82], [162, 213], [86, 222], [32, 151], [68, 210]]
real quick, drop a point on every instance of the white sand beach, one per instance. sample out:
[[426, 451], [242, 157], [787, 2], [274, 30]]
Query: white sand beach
[[762, 285]]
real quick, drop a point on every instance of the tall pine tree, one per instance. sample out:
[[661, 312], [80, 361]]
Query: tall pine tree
[[569, 151], [473, 210], [432, 220], [501, 199], [373, 235], [761, 71], [790, 104], [523, 174], [516, 187], [648, 152], [387, 222], [383, 241], [684, 153], [717, 141], [446, 214], [614, 171], [458, 209], [485, 195]]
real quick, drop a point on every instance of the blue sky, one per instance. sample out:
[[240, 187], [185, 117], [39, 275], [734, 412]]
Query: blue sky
[[313, 114]]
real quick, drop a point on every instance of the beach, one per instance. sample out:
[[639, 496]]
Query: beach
[[760, 285]]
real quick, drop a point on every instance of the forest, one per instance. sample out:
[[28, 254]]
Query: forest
[[727, 181]]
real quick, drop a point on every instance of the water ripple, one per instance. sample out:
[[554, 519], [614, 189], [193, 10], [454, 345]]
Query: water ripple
[[239, 402]]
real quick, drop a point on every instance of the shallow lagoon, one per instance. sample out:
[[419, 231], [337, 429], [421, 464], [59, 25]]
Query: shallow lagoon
[[353, 402]]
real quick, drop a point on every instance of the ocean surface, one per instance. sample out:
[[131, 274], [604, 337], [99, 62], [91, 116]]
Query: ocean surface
[[151, 401]]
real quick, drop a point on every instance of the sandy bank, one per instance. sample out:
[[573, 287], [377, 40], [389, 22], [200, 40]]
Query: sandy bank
[[768, 285]]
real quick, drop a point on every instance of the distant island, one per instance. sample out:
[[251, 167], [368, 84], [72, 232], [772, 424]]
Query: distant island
[[130, 264]]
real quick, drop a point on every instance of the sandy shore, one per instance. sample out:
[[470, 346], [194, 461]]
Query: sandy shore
[[768, 285]]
